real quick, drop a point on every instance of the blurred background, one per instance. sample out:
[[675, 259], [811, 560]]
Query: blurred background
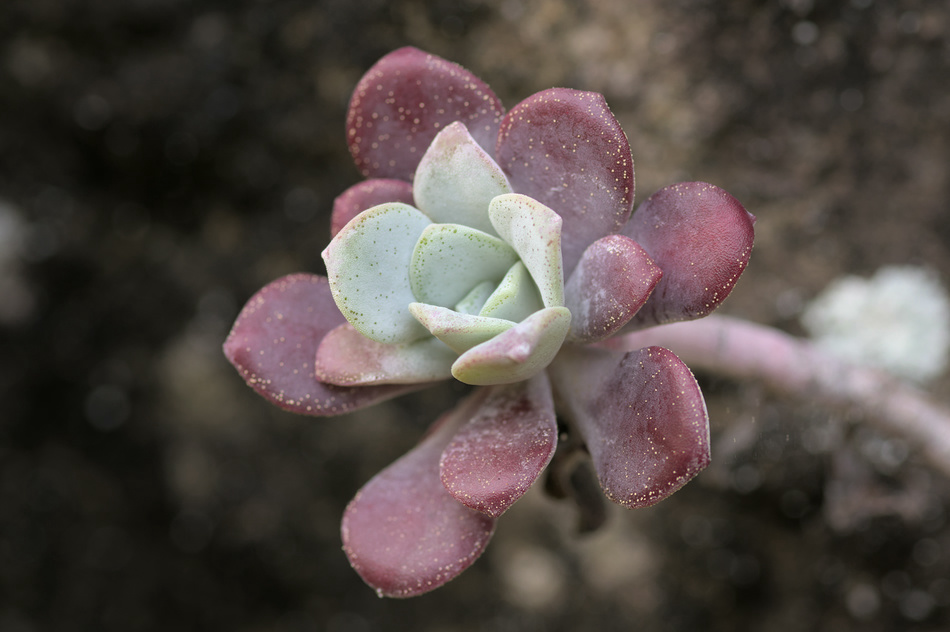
[[160, 160]]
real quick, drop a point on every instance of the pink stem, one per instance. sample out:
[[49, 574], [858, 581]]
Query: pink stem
[[746, 351]]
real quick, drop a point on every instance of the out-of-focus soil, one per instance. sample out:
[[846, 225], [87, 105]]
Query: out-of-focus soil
[[160, 160]]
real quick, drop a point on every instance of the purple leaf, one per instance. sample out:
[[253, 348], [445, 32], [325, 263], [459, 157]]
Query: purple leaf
[[642, 415], [565, 149], [364, 195], [403, 532], [701, 237], [404, 100], [495, 457], [274, 341], [610, 283]]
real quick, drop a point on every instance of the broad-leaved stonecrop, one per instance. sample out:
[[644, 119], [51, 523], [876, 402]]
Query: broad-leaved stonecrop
[[497, 249]]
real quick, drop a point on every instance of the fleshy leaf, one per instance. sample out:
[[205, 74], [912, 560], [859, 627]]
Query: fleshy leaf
[[365, 195], [565, 149], [496, 456], [610, 283], [642, 415], [404, 100], [701, 237], [347, 358], [274, 340], [515, 298], [403, 532], [518, 353], [457, 179], [450, 259], [534, 231], [459, 331], [474, 300], [367, 264]]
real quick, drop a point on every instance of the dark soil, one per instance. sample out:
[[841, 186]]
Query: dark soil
[[160, 160]]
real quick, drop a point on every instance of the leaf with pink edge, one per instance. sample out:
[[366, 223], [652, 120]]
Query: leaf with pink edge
[[404, 100], [403, 532], [457, 179], [496, 456], [518, 353], [534, 231], [458, 330], [610, 283], [642, 415], [565, 149], [701, 237], [274, 340], [347, 358], [365, 195]]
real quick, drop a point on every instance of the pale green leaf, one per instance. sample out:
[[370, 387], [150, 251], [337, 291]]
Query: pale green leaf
[[515, 298], [456, 179], [449, 260], [516, 354], [367, 265], [459, 331], [474, 300], [534, 231]]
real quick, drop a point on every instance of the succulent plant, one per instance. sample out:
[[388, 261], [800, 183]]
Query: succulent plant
[[497, 249]]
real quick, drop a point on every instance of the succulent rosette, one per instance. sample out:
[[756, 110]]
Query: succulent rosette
[[497, 249]]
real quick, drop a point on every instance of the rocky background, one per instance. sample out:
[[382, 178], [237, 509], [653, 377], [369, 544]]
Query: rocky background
[[160, 160]]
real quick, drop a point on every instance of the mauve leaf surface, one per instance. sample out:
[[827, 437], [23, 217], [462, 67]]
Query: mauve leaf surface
[[404, 100], [497, 455], [368, 264], [403, 532], [701, 237], [450, 259], [457, 179], [518, 353], [642, 416], [365, 195], [565, 149], [611, 282], [534, 231], [458, 330], [345, 357], [274, 341]]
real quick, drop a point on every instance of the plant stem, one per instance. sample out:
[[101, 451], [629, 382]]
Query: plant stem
[[746, 351]]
